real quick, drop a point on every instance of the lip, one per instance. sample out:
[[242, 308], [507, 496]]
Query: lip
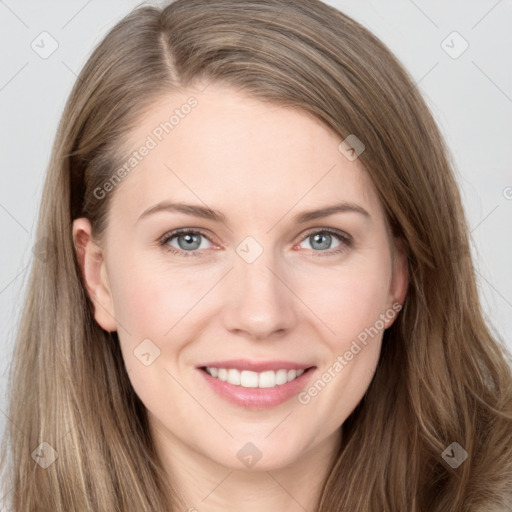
[[258, 398], [256, 366]]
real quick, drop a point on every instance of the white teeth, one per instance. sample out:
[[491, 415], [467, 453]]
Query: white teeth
[[246, 379], [249, 379], [234, 377], [281, 377], [267, 379]]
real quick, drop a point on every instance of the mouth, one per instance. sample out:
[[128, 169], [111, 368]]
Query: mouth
[[253, 379], [256, 390]]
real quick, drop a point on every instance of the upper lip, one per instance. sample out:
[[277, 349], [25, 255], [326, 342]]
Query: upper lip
[[256, 366]]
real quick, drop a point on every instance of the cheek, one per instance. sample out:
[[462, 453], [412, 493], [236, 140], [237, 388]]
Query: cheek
[[351, 302], [148, 300], [156, 309], [350, 298], [147, 304]]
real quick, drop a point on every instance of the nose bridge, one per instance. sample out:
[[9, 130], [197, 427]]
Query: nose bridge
[[260, 303]]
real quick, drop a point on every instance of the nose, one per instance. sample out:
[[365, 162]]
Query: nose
[[260, 302]]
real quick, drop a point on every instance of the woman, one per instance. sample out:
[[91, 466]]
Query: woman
[[257, 290]]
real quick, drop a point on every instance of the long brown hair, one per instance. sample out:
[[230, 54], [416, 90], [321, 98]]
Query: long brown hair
[[443, 376]]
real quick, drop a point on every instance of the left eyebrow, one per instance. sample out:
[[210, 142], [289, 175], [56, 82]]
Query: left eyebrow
[[330, 210]]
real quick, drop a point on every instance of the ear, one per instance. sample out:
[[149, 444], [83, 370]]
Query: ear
[[399, 279], [94, 272]]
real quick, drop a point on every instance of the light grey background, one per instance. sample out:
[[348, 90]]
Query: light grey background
[[470, 96]]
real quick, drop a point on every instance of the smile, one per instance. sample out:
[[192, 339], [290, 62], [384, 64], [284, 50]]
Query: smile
[[249, 379], [256, 390]]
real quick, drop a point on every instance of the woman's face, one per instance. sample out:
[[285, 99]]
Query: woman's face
[[261, 280]]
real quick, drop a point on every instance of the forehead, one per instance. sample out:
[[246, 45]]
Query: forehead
[[225, 148]]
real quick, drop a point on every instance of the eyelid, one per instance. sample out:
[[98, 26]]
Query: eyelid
[[338, 232], [177, 231]]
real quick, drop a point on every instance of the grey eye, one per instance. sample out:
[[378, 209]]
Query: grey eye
[[322, 240], [187, 241]]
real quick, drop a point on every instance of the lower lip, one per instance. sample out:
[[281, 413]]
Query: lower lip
[[257, 398]]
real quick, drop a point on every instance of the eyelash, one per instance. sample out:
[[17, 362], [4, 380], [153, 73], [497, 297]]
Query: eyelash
[[346, 242]]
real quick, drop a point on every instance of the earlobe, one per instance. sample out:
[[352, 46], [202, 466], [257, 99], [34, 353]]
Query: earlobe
[[94, 273]]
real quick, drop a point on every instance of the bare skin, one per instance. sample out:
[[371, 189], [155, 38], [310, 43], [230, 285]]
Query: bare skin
[[303, 299]]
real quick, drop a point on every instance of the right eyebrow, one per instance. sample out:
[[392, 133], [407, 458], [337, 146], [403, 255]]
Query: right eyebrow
[[188, 209]]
